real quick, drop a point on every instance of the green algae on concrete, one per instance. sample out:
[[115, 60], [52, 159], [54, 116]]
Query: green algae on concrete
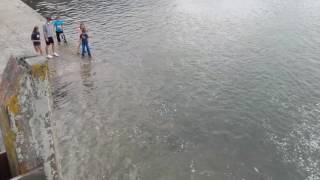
[[40, 71], [13, 105]]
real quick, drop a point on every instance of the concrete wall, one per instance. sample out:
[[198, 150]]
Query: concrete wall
[[17, 21], [25, 116], [25, 102], [24, 93]]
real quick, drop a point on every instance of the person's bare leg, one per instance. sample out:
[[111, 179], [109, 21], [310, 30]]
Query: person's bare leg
[[40, 50], [78, 48], [47, 49], [53, 48]]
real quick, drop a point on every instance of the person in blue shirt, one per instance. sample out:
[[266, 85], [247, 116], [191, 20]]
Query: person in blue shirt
[[58, 26], [85, 42]]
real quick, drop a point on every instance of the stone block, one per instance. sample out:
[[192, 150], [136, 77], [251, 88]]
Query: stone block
[[25, 117]]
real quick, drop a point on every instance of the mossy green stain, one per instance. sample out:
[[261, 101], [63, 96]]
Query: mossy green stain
[[13, 105], [40, 71]]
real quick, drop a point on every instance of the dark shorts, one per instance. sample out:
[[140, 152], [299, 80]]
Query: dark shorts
[[36, 44], [50, 41]]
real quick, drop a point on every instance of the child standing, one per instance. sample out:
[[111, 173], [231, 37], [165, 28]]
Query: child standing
[[79, 32], [58, 26], [48, 35], [35, 38], [85, 42]]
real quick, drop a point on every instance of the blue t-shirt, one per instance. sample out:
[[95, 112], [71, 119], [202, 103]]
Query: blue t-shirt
[[58, 25]]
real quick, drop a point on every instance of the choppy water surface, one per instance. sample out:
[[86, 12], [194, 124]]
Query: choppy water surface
[[190, 89]]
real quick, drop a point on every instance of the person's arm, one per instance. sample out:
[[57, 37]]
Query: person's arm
[[62, 25], [53, 30], [54, 26], [45, 32]]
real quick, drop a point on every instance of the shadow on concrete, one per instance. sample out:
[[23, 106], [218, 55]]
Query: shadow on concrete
[[4, 167]]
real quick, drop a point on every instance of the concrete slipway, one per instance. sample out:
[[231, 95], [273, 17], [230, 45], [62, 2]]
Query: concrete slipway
[[26, 93], [17, 20]]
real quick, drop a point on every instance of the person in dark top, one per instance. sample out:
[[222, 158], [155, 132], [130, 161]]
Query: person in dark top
[[35, 38], [85, 42]]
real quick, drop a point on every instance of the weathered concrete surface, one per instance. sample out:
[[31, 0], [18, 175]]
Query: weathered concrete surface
[[24, 93], [25, 116], [17, 21], [37, 174]]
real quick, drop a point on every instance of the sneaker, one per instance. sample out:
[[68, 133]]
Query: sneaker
[[49, 56], [56, 54]]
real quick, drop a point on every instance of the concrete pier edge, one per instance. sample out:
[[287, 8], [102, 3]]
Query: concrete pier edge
[[25, 116], [25, 94]]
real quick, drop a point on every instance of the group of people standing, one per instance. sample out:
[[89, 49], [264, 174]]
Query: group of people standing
[[57, 26]]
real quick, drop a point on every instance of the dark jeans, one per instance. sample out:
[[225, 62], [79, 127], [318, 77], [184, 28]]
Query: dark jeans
[[59, 36], [85, 46]]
